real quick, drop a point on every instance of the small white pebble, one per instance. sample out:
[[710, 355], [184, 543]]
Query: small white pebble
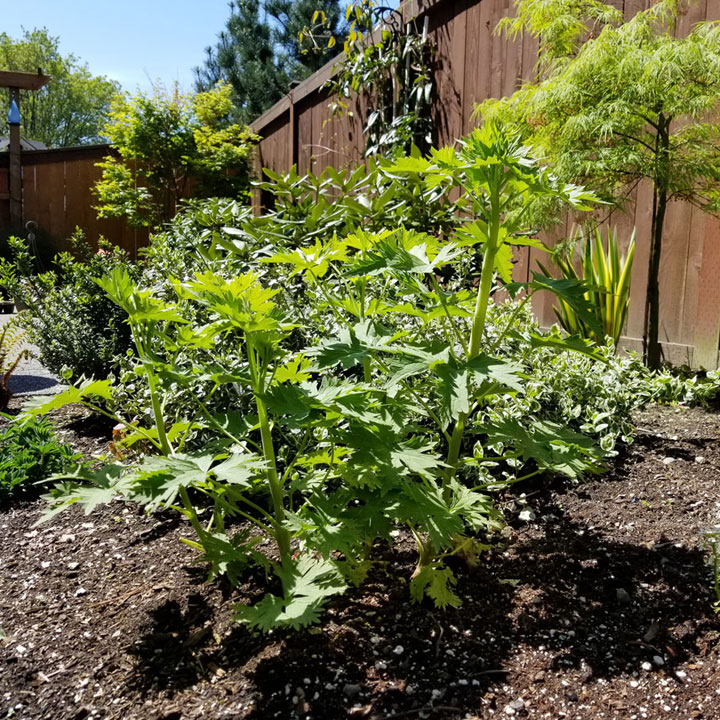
[[399, 650], [646, 666], [658, 660]]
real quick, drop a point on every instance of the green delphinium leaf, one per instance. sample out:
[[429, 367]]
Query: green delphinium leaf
[[435, 581], [87, 390], [307, 585], [89, 488], [551, 446], [353, 345], [227, 555], [140, 305]]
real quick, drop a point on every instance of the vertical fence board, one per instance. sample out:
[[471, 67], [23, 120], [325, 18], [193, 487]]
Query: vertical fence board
[[513, 68], [529, 58], [671, 279], [707, 316], [693, 267], [478, 57], [639, 279], [475, 68], [448, 31], [305, 137], [500, 8]]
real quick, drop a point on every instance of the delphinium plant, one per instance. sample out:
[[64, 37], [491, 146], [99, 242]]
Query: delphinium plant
[[375, 423]]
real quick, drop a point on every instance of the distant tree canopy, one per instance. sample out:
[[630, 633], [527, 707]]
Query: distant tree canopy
[[259, 52], [72, 108], [169, 144]]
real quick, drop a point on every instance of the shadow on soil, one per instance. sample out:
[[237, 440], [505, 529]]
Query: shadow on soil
[[166, 654], [599, 607]]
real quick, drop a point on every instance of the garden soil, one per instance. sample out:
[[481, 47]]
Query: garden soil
[[600, 607]]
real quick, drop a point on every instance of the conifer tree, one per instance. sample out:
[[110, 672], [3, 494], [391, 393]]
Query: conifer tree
[[259, 54]]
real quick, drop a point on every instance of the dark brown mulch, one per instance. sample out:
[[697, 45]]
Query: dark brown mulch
[[600, 608]]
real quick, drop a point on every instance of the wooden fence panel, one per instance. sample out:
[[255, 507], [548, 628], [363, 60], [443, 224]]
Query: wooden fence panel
[[476, 81], [57, 195], [473, 64]]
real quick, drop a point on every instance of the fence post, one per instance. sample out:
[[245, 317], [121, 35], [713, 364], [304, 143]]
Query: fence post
[[15, 176], [292, 130]]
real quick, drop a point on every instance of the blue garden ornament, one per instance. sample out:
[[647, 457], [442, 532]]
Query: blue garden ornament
[[14, 113]]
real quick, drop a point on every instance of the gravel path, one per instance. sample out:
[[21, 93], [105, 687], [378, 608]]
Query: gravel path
[[30, 377]]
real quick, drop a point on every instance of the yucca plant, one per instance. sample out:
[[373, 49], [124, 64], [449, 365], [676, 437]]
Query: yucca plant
[[606, 273], [11, 353]]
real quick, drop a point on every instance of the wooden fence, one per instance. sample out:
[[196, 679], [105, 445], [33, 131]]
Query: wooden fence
[[57, 195], [472, 64]]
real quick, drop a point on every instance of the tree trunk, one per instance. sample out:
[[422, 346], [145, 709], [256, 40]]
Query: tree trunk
[[653, 351]]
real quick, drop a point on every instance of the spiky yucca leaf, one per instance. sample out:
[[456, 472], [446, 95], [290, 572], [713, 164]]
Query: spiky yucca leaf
[[606, 273]]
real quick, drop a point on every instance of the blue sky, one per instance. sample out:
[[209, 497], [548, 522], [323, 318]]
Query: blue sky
[[135, 42]]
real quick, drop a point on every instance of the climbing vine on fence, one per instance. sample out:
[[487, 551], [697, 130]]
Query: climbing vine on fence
[[387, 62]]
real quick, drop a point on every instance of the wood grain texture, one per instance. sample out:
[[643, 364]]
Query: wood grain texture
[[58, 195], [707, 313], [23, 80]]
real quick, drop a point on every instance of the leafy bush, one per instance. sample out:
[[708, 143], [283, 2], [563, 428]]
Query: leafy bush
[[69, 318], [167, 144], [330, 387], [595, 396], [223, 236], [29, 453], [683, 386]]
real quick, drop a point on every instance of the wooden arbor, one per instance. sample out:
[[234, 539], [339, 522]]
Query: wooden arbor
[[16, 81]]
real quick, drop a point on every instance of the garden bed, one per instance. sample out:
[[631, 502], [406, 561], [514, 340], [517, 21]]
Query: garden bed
[[599, 608]]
